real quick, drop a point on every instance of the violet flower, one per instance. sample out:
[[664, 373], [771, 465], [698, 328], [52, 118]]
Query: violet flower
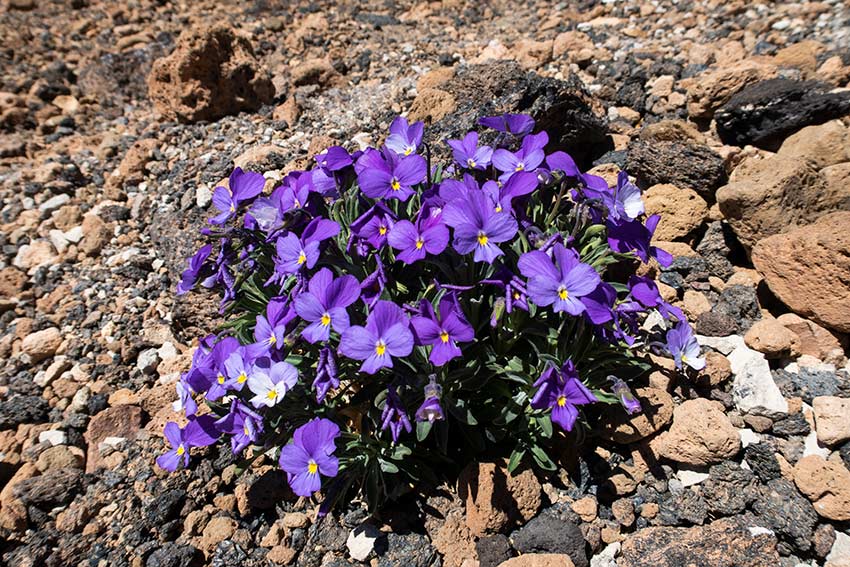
[[527, 158], [194, 271], [219, 383], [646, 292], [431, 410], [599, 303], [562, 161], [404, 139], [517, 124], [441, 333], [386, 334], [385, 175], [294, 253], [199, 432], [310, 455], [324, 305], [467, 153], [271, 328], [244, 186], [683, 347], [185, 401], [562, 283], [413, 241], [373, 226], [477, 227], [270, 382], [334, 159], [295, 191], [243, 424], [326, 374], [620, 389], [633, 236], [561, 390], [516, 294], [394, 417], [625, 201], [503, 195], [373, 285]]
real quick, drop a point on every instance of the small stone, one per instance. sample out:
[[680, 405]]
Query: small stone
[[839, 555], [586, 508], [701, 434], [53, 436], [682, 210], [217, 530], [773, 339], [42, 344], [620, 427], [826, 484], [361, 541], [832, 419], [624, 512], [539, 560]]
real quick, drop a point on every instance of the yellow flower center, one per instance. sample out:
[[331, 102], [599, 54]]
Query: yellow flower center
[[220, 379], [242, 378], [297, 204], [562, 401], [232, 208], [272, 340], [395, 184], [482, 239], [419, 243], [408, 151], [302, 258], [684, 358], [520, 166], [444, 336], [471, 163], [563, 293], [516, 295], [498, 208], [326, 319], [272, 395], [382, 230], [380, 348], [245, 430], [312, 467], [180, 450]]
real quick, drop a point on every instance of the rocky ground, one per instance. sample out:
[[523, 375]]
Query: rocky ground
[[117, 119]]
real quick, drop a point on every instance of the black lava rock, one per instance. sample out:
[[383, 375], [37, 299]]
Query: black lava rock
[[808, 383], [683, 164], [684, 507], [791, 425], [493, 550], [766, 113], [762, 460], [173, 555], [548, 533], [729, 489], [165, 507], [23, 409], [407, 549], [787, 512], [739, 302], [716, 248], [713, 324], [51, 489]]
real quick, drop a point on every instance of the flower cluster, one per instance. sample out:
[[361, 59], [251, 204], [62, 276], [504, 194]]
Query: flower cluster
[[386, 315]]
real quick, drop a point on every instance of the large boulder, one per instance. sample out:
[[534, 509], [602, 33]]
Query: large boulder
[[773, 195], [682, 211], [683, 164], [807, 268], [712, 88], [765, 113], [822, 145], [826, 484], [701, 434], [211, 73]]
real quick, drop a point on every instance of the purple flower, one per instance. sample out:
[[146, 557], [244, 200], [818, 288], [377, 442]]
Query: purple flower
[[620, 389], [373, 285], [645, 291], [324, 305], [441, 333], [244, 185], [503, 195], [270, 381], [295, 191], [599, 303], [477, 227], [326, 374], [193, 272], [199, 432], [388, 176], [431, 410], [517, 124], [467, 153], [562, 283], [394, 417], [516, 294], [633, 236], [219, 382], [562, 161], [243, 424], [185, 402], [294, 253], [527, 158], [309, 455], [373, 225], [385, 335], [683, 346], [561, 390], [271, 328], [404, 139], [625, 201], [334, 159], [413, 241]]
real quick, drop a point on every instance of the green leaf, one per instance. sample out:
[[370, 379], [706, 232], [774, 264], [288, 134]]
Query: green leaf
[[423, 428], [516, 459], [542, 459]]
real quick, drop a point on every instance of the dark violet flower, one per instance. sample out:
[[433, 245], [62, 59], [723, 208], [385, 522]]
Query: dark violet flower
[[373, 285], [683, 346], [645, 291], [324, 305], [441, 333], [334, 159], [562, 161], [477, 227], [516, 294], [270, 382], [562, 283], [394, 417], [295, 191], [467, 153], [451, 189], [599, 303], [185, 401], [633, 236], [219, 381], [385, 175], [199, 432], [561, 390], [620, 389], [517, 124], [413, 241], [196, 266], [244, 186], [310, 455], [374, 225], [326, 374], [404, 139], [503, 195], [271, 328], [431, 410], [243, 424], [625, 201], [386, 334], [527, 158], [294, 253]]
